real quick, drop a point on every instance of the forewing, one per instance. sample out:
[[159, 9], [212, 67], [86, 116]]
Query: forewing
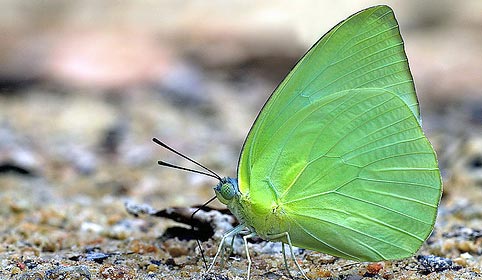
[[364, 51]]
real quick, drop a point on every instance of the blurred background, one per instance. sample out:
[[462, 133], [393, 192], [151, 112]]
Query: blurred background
[[85, 85]]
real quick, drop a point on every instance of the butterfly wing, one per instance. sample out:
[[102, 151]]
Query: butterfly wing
[[339, 147], [357, 178], [364, 51]]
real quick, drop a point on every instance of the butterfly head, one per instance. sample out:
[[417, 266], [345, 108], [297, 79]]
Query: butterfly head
[[226, 190]]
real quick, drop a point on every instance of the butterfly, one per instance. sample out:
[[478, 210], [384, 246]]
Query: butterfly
[[337, 161]]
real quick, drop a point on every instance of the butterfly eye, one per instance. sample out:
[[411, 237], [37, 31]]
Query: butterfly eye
[[227, 191]]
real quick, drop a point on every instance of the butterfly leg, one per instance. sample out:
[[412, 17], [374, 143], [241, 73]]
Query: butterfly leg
[[286, 235], [293, 256], [245, 238], [232, 233], [231, 249], [285, 260]]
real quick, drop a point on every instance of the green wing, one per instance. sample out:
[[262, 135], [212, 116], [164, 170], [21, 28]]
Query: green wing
[[365, 184], [364, 51], [339, 147]]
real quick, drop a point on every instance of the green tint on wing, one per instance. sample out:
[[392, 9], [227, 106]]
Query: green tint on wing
[[354, 175], [364, 51]]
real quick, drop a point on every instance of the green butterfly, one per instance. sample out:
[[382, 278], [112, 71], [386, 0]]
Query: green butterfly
[[336, 160]]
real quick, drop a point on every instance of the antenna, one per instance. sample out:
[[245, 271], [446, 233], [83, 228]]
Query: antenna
[[210, 174], [163, 163], [167, 164]]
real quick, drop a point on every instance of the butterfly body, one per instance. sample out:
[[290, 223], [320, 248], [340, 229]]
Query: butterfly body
[[245, 208]]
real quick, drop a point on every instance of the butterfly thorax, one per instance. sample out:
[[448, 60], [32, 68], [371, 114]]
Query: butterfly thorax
[[264, 219]]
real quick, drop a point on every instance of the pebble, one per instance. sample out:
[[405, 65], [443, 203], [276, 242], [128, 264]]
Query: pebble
[[69, 272]]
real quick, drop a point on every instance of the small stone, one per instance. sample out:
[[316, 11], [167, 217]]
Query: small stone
[[68, 272], [19, 205], [430, 263], [152, 268], [31, 276], [15, 270], [460, 261], [466, 246], [374, 268], [109, 271], [176, 248], [91, 227], [317, 273]]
